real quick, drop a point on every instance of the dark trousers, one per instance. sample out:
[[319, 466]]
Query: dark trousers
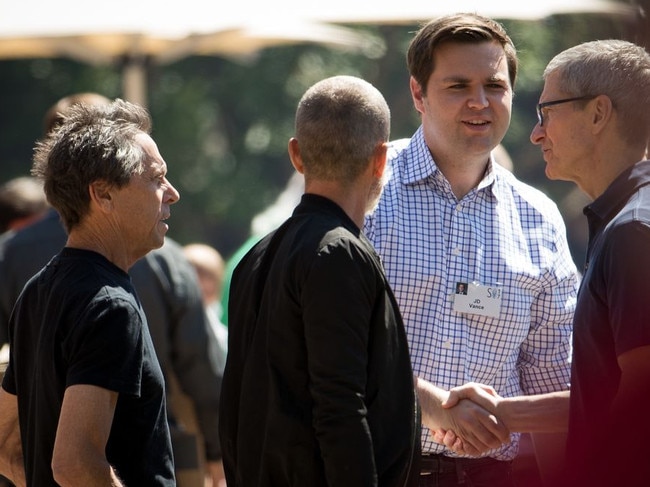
[[441, 471]]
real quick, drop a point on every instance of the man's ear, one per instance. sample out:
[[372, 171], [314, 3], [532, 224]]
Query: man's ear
[[417, 94], [294, 155], [100, 193], [602, 113]]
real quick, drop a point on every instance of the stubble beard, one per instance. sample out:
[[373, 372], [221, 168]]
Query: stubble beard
[[375, 192]]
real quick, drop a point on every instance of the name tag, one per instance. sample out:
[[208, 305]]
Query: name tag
[[477, 299]]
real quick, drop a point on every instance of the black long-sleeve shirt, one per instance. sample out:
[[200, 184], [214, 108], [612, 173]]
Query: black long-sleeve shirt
[[318, 388]]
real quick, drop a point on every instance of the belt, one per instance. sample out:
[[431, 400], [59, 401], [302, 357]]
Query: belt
[[431, 463]]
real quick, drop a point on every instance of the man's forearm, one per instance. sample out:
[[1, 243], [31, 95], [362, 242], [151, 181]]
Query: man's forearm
[[541, 413], [430, 397], [11, 450], [11, 463], [12, 467]]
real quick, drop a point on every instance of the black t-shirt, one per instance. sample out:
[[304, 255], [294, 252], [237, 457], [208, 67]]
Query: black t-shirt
[[79, 321]]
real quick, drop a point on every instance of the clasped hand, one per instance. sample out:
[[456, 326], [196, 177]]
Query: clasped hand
[[467, 423]]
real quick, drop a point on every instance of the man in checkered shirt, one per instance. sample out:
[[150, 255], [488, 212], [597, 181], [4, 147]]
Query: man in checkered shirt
[[452, 218]]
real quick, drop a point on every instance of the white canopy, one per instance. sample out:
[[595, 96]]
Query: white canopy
[[161, 32]]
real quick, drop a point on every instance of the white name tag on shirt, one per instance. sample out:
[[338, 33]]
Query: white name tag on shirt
[[477, 299]]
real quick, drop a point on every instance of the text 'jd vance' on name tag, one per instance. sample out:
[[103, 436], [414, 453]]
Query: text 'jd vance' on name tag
[[477, 299]]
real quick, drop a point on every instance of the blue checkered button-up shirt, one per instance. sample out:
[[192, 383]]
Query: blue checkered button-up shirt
[[503, 233]]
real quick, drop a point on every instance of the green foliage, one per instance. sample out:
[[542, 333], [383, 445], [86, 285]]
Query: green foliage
[[223, 125]]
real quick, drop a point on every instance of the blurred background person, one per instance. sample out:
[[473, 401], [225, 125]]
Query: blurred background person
[[22, 201], [210, 269]]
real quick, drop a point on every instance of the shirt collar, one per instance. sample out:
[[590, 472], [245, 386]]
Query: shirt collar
[[417, 164], [619, 191], [313, 203]]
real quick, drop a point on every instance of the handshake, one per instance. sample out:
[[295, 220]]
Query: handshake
[[472, 419]]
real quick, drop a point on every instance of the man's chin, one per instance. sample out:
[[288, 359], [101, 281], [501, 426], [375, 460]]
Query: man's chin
[[550, 174], [158, 242]]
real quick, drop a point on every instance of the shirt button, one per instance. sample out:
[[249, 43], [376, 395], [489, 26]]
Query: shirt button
[[455, 251]]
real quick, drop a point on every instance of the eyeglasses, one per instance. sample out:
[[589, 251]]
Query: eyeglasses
[[541, 106]]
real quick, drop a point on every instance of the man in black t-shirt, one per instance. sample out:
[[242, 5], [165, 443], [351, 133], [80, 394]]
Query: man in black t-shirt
[[83, 399]]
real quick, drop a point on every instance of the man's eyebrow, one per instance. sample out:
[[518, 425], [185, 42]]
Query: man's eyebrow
[[498, 77], [456, 79]]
